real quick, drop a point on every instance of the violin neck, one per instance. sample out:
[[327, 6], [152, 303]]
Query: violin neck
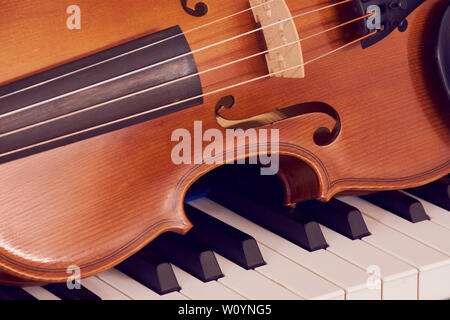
[[95, 93]]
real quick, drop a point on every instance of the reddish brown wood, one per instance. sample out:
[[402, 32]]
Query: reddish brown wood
[[9, 280], [98, 201]]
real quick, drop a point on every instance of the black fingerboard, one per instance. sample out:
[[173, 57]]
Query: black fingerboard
[[100, 93]]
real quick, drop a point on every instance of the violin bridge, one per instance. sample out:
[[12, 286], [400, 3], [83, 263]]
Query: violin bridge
[[277, 35]]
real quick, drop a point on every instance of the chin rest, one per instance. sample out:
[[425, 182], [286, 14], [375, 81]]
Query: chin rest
[[443, 50]]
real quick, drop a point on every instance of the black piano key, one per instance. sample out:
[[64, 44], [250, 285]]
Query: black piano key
[[226, 240], [306, 234], [4, 296], [149, 269], [336, 215], [16, 293], [64, 293], [400, 204], [188, 254], [437, 192]]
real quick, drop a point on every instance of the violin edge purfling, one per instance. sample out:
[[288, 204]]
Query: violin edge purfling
[[95, 202]]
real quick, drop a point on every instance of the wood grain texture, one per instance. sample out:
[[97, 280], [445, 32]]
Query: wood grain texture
[[96, 202], [267, 13]]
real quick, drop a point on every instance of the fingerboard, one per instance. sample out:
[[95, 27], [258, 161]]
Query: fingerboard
[[107, 91]]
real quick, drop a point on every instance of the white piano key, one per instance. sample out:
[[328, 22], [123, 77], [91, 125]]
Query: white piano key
[[399, 279], [427, 232], [437, 214], [433, 266], [40, 293], [251, 284], [102, 289], [296, 278], [330, 267], [133, 288], [199, 290]]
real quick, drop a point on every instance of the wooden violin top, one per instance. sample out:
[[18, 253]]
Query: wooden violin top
[[97, 201]]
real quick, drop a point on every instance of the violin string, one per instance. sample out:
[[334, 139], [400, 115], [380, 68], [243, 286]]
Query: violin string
[[138, 49], [182, 78], [170, 60], [189, 99]]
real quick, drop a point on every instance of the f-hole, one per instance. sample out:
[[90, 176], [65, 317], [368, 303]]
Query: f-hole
[[322, 136]]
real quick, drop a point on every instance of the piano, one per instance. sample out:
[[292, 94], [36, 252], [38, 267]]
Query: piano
[[388, 245]]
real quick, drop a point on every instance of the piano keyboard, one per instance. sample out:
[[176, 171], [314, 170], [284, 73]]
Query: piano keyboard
[[232, 255]]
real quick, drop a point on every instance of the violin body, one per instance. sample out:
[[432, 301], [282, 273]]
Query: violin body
[[95, 202]]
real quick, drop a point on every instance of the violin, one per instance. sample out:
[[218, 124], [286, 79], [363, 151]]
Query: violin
[[110, 112]]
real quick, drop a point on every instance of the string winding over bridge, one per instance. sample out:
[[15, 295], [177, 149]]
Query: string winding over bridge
[[284, 31]]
